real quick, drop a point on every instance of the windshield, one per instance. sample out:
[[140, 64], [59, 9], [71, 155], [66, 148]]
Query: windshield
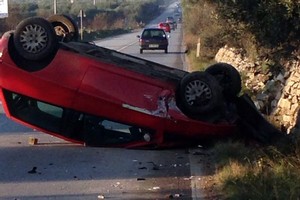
[[153, 33]]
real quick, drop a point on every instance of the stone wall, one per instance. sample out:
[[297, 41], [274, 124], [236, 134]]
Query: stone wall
[[275, 95]]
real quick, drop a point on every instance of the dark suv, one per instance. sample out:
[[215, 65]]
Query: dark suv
[[153, 39]]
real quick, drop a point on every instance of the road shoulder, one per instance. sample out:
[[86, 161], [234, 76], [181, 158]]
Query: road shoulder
[[203, 168]]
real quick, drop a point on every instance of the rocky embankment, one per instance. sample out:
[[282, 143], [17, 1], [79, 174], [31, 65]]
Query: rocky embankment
[[276, 95]]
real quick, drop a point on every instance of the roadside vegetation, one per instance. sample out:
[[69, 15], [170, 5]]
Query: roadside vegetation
[[102, 19], [257, 172], [265, 30]]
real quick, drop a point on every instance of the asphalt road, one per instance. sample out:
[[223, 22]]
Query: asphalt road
[[55, 169], [128, 43]]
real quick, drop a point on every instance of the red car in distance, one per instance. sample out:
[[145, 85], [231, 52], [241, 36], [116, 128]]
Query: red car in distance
[[165, 26], [95, 96], [171, 21]]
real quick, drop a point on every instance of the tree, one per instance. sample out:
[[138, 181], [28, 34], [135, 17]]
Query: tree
[[268, 27]]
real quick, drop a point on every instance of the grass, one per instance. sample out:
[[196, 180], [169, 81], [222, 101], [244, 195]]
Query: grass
[[257, 172], [198, 63]]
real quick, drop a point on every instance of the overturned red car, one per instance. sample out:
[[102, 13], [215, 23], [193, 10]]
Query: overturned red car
[[99, 97]]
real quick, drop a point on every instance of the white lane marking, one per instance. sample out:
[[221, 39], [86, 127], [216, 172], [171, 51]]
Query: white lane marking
[[195, 176], [126, 46]]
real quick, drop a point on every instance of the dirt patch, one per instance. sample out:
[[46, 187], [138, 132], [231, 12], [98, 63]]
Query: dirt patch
[[207, 183]]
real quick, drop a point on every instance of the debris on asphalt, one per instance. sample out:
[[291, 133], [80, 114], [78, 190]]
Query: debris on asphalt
[[188, 179], [155, 166], [197, 153], [32, 141], [156, 188], [174, 196], [101, 197], [118, 184], [33, 171]]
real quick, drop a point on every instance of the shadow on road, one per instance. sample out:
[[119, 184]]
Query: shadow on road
[[8, 126]]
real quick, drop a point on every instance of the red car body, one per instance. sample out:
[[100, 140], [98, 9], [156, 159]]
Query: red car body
[[166, 26], [72, 93]]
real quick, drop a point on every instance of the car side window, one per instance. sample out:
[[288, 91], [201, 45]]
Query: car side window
[[100, 131], [146, 34], [90, 129], [52, 110], [37, 113]]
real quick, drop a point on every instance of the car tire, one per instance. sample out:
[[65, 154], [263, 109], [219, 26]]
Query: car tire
[[166, 50], [141, 51], [65, 28], [228, 77], [198, 93], [35, 39]]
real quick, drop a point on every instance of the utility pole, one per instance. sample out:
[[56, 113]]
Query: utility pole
[[81, 25], [54, 6], [198, 48]]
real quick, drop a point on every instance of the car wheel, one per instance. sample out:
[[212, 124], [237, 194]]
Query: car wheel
[[141, 51], [228, 77], [198, 93], [35, 39], [166, 50], [65, 28]]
